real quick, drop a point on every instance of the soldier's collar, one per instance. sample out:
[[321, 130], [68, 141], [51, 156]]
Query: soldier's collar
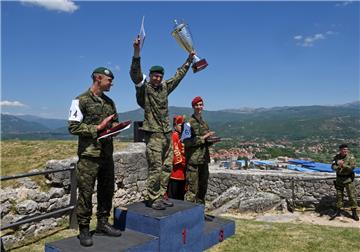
[[160, 86], [95, 97]]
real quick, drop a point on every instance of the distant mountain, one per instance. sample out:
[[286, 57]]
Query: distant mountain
[[49, 123], [270, 123], [13, 127], [355, 105], [292, 123], [13, 124], [243, 110]]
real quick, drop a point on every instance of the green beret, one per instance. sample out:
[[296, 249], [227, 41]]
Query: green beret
[[104, 71], [157, 69]]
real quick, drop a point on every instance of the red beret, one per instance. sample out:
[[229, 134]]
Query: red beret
[[178, 120], [196, 100]]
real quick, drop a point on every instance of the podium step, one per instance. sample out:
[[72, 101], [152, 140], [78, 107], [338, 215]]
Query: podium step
[[179, 228], [217, 230], [129, 241]]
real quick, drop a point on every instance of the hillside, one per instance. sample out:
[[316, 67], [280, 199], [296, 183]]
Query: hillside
[[341, 121], [13, 124]]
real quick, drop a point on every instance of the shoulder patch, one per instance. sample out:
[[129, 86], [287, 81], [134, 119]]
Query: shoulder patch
[[75, 112]]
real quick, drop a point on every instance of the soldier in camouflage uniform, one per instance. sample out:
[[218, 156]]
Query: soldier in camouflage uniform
[[197, 155], [152, 96], [344, 164], [91, 113]]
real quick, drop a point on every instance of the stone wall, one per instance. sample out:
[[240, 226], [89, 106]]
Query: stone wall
[[312, 189], [248, 190], [28, 200]]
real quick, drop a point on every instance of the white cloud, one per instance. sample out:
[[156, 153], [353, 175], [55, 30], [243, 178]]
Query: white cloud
[[343, 3], [11, 104], [57, 5], [309, 41]]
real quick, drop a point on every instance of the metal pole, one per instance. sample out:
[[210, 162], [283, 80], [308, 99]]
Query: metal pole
[[73, 196], [37, 218], [30, 174]]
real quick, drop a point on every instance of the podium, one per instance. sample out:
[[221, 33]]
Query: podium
[[178, 228], [129, 241], [217, 230]]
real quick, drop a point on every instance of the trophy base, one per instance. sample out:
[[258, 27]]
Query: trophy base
[[199, 65]]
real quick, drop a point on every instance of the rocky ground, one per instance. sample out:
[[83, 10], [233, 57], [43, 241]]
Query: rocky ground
[[306, 217]]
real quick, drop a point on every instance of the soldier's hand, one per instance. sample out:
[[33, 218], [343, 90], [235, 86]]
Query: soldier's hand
[[191, 56], [105, 122], [340, 163], [209, 134], [137, 46]]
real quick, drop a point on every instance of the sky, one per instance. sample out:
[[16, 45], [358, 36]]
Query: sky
[[260, 54]]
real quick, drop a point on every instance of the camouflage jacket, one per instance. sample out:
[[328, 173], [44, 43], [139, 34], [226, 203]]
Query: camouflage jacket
[[196, 148], [154, 101], [348, 166], [86, 112]]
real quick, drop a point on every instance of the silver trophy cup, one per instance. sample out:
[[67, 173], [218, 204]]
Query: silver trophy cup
[[182, 35]]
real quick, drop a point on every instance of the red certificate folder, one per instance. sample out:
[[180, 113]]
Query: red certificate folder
[[115, 130]]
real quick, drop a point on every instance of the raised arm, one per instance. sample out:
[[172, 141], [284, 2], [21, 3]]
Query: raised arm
[[135, 69], [174, 81]]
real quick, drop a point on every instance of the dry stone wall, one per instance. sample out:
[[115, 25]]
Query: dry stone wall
[[312, 189]]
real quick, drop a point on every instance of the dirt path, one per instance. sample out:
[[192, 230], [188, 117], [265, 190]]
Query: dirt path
[[306, 217]]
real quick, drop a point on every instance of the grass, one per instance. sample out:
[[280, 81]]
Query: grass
[[23, 156], [267, 236]]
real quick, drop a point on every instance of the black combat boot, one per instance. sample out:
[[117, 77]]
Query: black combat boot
[[158, 205], [155, 204], [104, 228], [354, 214], [336, 214], [85, 236], [166, 202]]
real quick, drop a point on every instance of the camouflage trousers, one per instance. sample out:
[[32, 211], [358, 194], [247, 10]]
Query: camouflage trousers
[[351, 192], [196, 182], [159, 155], [88, 170]]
